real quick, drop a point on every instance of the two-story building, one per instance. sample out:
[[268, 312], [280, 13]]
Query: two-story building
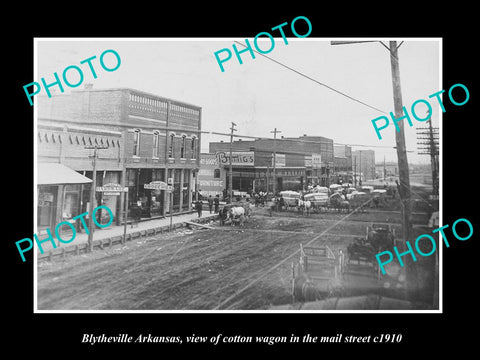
[[144, 139], [298, 162]]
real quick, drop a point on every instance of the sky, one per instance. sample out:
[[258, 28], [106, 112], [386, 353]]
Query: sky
[[260, 95]]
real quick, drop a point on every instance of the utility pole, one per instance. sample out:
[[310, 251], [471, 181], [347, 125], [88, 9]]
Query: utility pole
[[360, 161], [92, 194], [431, 134], [230, 171], [384, 169], [412, 286], [355, 171], [404, 176], [275, 131]]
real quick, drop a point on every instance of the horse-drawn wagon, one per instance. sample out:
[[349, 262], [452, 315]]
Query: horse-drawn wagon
[[338, 202], [235, 213], [290, 198], [319, 274], [378, 238], [318, 200]]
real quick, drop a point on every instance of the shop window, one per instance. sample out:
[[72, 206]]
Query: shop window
[[136, 142]]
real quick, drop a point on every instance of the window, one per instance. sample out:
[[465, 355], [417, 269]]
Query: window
[[182, 149], [156, 141], [194, 147], [171, 145], [216, 173], [136, 142]]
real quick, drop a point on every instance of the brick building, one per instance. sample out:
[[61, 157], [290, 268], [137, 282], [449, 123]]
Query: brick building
[[299, 162], [363, 162], [211, 176], [65, 169], [342, 164], [149, 139]]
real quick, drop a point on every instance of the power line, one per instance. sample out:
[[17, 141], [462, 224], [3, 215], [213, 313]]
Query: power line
[[316, 81], [292, 139]]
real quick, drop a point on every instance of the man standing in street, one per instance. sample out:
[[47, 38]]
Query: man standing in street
[[210, 204], [198, 206], [216, 201]]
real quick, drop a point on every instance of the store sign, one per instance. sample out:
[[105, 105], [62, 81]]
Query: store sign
[[111, 189], [156, 185], [243, 158], [208, 159], [279, 160], [314, 161]]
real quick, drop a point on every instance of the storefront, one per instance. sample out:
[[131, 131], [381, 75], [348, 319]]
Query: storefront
[[59, 194], [151, 201]]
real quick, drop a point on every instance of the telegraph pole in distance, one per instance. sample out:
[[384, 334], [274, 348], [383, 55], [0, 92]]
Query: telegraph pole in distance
[[92, 194], [230, 171], [274, 132]]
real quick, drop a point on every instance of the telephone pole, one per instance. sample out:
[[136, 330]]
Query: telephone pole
[[404, 176], [412, 285], [92, 194], [275, 131], [430, 147], [230, 171]]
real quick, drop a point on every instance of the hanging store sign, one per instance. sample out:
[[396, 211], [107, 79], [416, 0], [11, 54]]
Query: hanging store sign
[[111, 189], [156, 185]]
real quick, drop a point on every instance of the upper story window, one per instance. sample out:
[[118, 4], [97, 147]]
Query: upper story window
[[156, 144], [136, 142], [182, 148], [194, 147], [171, 145]]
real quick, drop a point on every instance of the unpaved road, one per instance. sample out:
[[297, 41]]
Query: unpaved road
[[193, 270]]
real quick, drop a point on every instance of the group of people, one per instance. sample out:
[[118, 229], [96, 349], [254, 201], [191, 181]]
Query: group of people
[[213, 205]]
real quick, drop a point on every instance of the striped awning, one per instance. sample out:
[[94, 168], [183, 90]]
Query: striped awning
[[56, 174]]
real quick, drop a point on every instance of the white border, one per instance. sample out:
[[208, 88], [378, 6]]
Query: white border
[[306, 312]]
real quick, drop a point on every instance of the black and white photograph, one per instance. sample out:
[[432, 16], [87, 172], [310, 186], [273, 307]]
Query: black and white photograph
[[232, 181], [264, 184]]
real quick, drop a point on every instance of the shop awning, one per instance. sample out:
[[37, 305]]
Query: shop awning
[[53, 174]]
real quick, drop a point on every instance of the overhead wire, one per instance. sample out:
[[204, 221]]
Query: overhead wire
[[314, 80]]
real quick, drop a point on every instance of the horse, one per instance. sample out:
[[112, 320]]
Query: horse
[[339, 204], [224, 213], [304, 206], [237, 212]]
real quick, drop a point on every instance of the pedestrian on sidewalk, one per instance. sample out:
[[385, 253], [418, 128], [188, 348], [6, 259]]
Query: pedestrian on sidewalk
[[210, 204], [198, 206], [216, 202]]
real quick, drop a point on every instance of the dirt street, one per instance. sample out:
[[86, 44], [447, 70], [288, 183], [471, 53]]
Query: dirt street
[[195, 269]]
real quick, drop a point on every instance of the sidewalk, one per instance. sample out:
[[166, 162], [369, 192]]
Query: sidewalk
[[115, 232]]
